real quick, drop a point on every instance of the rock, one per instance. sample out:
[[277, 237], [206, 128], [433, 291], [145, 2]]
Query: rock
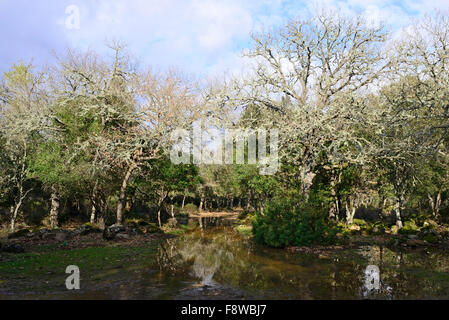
[[182, 220], [360, 222], [49, 236], [110, 232], [412, 236], [13, 248], [19, 234], [430, 237], [42, 232], [394, 229], [172, 223], [409, 227], [61, 236], [134, 231], [122, 236], [353, 227], [151, 228], [378, 230], [416, 243], [87, 229], [134, 223], [32, 235]]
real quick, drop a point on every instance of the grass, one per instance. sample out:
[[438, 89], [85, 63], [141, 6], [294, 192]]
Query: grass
[[180, 230], [245, 230], [45, 271], [86, 258]]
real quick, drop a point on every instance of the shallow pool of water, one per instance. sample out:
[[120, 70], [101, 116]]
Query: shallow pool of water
[[219, 263]]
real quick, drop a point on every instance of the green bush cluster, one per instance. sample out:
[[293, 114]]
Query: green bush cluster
[[284, 224], [190, 208]]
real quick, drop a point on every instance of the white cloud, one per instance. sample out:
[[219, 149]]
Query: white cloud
[[196, 35]]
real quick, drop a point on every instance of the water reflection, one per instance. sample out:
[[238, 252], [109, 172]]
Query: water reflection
[[219, 257]]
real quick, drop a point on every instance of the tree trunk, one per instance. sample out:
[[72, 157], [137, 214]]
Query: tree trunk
[[13, 219], [159, 217], [334, 210], [122, 198], [435, 204], [307, 182], [438, 204], [183, 201], [397, 209], [350, 211], [92, 214], [201, 204], [54, 211]]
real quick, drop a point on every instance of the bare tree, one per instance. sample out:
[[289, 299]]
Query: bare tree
[[310, 79]]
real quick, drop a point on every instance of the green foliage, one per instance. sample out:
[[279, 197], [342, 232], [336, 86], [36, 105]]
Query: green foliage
[[190, 208], [35, 211], [285, 224]]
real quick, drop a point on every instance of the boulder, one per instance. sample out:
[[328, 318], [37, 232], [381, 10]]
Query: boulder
[[134, 223], [61, 236], [416, 243], [13, 248], [86, 229], [394, 229], [360, 222], [409, 227], [19, 234], [122, 236], [42, 232], [151, 228], [429, 235], [110, 232], [172, 223], [49, 236]]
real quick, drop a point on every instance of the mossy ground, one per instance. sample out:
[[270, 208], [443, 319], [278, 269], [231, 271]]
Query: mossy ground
[[36, 271]]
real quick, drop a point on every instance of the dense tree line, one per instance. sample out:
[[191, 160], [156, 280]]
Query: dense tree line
[[362, 117]]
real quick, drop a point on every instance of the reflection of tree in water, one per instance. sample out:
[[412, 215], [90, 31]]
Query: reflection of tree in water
[[412, 274], [204, 257], [227, 259]]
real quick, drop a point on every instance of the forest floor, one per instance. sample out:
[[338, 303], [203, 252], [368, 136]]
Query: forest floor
[[36, 261]]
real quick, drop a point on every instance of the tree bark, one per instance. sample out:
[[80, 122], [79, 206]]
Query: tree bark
[[350, 211], [92, 214], [13, 219], [122, 197], [398, 207], [183, 201], [201, 204], [54, 211], [438, 204], [435, 204]]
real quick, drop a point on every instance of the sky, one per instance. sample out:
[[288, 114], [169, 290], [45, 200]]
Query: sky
[[205, 37]]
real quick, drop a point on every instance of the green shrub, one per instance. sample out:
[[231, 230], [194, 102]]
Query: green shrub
[[35, 211], [190, 208], [283, 224], [359, 222], [409, 227], [247, 218]]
